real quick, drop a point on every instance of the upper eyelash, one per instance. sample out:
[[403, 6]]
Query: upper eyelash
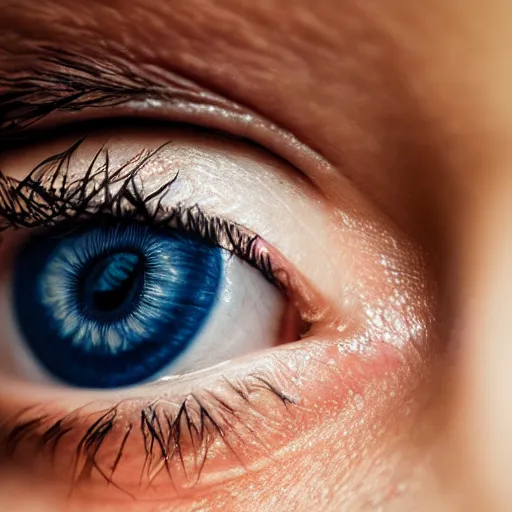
[[48, 197], [161, 426]]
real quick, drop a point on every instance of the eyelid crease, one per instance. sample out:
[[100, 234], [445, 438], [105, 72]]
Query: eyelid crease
[[75, 83]]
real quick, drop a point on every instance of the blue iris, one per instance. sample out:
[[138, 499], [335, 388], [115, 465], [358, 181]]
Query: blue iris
[[113, 305]]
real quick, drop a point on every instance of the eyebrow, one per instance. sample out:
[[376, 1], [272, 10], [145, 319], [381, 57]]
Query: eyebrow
[[62, 81], [54, 80], [55, 58], [59, 81]]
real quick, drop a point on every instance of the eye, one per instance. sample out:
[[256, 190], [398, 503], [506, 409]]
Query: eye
[[116, 305], [233, 307], [109, 298], [112, 306]]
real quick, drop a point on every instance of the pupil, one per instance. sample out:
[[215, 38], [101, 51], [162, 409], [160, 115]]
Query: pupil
[[114, 282]]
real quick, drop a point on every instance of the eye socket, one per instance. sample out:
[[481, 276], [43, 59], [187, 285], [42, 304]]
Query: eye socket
[[363, 286]]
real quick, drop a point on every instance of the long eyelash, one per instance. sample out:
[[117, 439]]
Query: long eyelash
[[166, 432], [50, 196]]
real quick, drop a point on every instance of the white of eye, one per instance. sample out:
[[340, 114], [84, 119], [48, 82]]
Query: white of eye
[[247, 317]]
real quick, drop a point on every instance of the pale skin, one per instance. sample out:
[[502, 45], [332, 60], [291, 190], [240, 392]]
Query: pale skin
[[397, 116]]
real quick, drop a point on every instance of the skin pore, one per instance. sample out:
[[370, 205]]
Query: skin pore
[[391, 122]]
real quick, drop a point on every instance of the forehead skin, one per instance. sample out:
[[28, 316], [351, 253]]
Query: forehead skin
[[405, 98]]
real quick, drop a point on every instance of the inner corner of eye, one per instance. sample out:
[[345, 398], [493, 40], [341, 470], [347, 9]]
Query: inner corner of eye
[[116, 305]]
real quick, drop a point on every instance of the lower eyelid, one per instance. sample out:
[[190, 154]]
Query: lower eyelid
[[155, 447], [254, 411]]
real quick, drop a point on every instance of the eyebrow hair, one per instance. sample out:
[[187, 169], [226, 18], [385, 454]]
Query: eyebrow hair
[[62, 81], [48, 79]]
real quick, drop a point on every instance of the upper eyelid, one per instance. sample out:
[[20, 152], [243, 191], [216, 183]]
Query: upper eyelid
[[113, 86], [306, 276], [40, 201], [55, 204]]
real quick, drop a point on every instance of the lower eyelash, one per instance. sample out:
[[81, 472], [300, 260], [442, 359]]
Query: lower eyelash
[[176, 438]]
